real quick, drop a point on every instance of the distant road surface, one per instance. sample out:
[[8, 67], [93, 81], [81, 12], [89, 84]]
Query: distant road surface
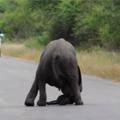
[[101, 97]]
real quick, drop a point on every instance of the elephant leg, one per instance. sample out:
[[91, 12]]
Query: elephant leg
[[42, 96], [76, 92], [29, 101]]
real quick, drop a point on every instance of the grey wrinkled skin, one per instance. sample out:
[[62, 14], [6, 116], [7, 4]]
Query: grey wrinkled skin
[[58, 67]]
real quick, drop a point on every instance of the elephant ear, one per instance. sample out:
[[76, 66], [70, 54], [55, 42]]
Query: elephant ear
[[80, 78]]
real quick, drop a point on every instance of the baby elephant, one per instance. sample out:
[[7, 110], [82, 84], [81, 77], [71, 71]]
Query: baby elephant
[[58, 67]]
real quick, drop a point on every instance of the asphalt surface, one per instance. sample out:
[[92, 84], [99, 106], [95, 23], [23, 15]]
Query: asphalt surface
[[101, 97]]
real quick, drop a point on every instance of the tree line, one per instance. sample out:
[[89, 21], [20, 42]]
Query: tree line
[[81, 22]]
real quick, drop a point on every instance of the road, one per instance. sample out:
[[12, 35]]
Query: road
[[101, 97]]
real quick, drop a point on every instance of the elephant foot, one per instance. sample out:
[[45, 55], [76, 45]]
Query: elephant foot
[[79, 102], [29, 102], [54, 102], [41, 103], [61, 100]]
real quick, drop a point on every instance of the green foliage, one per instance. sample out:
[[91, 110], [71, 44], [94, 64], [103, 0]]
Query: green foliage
[[16, 24], [7, 5], [43, 4], [87, 23], [43, 39], [110, 28], [82, 22], [2, 6], [64, 21]]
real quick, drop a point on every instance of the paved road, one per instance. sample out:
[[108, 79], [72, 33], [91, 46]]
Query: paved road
[[101, 97]]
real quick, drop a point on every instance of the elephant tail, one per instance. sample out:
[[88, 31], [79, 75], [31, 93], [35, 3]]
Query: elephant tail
[[80, 79]]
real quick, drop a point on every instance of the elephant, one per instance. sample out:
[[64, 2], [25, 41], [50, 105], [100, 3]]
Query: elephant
[[58, 67]]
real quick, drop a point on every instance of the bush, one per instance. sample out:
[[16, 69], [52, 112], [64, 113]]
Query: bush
[[81, 22], [7, 5], [43, 39], [64, 21], [110, 29], [16, 24]]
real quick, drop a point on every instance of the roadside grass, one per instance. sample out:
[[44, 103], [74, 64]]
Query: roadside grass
[[100, 63], [20, 51], [96, 62]]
